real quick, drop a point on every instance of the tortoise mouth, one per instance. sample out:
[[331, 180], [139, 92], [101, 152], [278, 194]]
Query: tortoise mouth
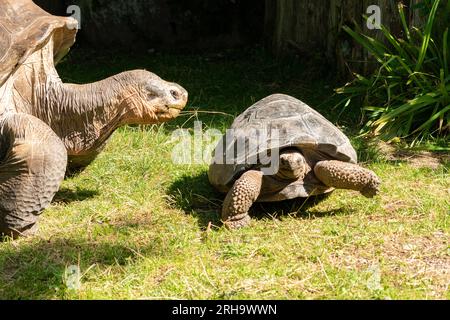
[[172, 112], [178, 107]]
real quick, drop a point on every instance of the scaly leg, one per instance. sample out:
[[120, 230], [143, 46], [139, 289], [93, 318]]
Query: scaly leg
[[32, 165], [344, 175], [240, 198]]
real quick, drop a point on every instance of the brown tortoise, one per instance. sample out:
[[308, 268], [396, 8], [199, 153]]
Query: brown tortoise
[[314, 158], [45, 123]]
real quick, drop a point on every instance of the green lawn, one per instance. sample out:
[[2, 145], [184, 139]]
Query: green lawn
[[139, 226]]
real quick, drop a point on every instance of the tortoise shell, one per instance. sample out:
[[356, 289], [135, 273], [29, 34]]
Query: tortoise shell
[[26, 28], [297, 126]]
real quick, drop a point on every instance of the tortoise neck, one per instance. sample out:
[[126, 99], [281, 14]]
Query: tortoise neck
[[83, 116]]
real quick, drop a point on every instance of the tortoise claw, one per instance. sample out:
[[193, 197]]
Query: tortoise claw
[[233, 224]]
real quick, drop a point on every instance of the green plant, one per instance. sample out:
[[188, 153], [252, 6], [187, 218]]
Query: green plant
[[407, 96]]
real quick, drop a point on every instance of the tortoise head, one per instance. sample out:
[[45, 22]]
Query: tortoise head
[[293, 165], [151, 99]]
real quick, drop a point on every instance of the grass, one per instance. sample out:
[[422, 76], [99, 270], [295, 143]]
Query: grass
[[139, 226]]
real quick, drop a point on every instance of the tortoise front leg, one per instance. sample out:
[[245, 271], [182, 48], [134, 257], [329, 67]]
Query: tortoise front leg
[[344, 175], [32, 165], [240, 198]]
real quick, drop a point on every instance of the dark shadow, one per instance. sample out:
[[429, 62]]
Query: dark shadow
[[38, 270], [298, 207], [66, 195], [77, 164], [194, 195]]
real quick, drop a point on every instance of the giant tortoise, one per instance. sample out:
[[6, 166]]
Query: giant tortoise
[[46, 123], [313, 157]]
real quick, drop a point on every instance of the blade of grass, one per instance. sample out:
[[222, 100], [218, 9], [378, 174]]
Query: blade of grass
[[427, 35]]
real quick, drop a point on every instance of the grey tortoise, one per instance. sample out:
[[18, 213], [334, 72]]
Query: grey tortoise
[[315, 157], [46, 124]]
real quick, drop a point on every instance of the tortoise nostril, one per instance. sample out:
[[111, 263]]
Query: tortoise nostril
[[176, 94]]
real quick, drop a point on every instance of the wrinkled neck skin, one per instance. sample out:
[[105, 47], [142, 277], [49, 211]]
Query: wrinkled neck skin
[[83, 116]]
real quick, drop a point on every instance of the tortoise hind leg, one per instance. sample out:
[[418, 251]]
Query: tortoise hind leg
[[240, 198], [344, 175], [32, 165]]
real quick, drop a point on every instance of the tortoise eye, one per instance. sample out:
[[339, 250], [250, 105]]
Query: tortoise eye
[[175, 94]]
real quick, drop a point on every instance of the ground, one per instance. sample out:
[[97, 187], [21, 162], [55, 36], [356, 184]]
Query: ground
[[139, 226]]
